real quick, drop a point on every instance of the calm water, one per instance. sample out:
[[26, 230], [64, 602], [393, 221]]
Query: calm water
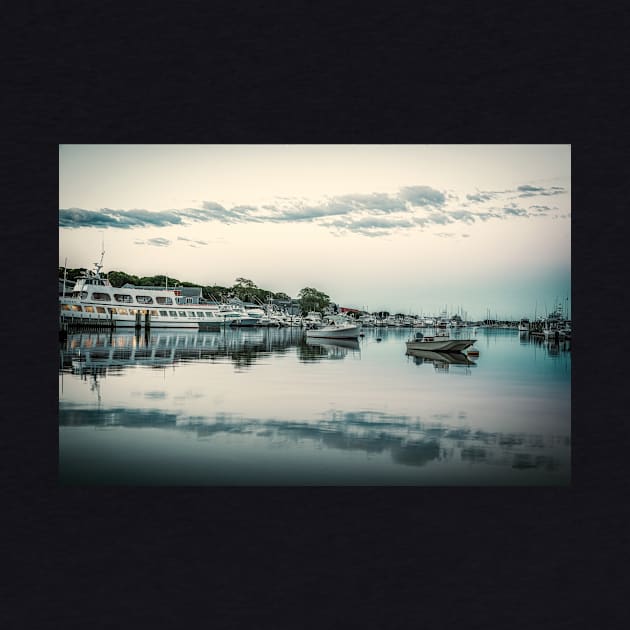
[[263, 407]]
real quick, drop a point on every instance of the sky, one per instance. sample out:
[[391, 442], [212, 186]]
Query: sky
[[474, 229]]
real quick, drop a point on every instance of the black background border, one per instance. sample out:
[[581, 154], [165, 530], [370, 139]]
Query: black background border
[[314, 557]]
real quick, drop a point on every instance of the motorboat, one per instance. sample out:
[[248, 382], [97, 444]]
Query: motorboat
[[440, 342], [335, 329]]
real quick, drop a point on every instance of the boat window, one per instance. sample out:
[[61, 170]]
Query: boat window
[[173, 313], [144, 299], [191, 314], [189, 300], [122, 311], [123, 297], [84, 295], [163, 300], [76, 307], [65, 307], [103, 297], [199, 314], [182, 313], [153, 312], [210, 315], [100, 309], [164, 313], [88, 309]]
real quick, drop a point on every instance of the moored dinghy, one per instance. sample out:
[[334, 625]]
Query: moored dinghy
[[337, 329], [440, 342]]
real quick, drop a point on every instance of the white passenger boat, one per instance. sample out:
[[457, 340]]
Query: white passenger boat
[[440, 342], [336, 329], [94, 299]]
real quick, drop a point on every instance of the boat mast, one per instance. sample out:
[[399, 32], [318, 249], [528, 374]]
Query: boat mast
[[99, 265]]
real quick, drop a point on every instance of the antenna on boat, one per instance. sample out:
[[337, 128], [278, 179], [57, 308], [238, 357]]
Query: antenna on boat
[[99, 265]]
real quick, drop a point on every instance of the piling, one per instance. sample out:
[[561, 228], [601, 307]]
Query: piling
[[71, 324]]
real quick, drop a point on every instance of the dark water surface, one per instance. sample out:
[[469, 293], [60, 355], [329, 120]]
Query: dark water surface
[[263, 407]]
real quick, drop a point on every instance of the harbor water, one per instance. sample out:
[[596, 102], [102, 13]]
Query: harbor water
[[265, 406]]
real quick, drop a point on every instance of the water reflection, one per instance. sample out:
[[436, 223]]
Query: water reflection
[[98, 354], [315, 349], [409, 441], [268, 406], [441, 361]]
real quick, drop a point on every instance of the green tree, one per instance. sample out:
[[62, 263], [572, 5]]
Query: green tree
[[244, 283], [312, 300]]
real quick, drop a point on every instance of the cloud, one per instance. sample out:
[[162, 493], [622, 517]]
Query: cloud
[[534, 191], [440, 219], [192, 242], [364, 213], [215, 211], [462, 215], [308, 213], [158, 242], [422, 196], [480, 197], [517, 212], [379, 202], [444, 234], [77, 217], [372, 226], [124, 219]]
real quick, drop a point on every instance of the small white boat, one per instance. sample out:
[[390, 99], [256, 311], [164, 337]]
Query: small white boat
[[440, 342], [336, 329]]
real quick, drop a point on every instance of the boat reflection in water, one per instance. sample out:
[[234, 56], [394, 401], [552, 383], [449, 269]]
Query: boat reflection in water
[[332, 348], [97, 353], [441, 361]]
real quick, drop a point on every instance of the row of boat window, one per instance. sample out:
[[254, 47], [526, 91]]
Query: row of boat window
[[124, 298], [133, 311]]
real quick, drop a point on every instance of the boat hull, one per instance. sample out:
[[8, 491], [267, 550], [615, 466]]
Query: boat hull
[[442, 345], [341, 332]]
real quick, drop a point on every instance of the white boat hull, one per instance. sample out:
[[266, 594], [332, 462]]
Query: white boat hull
[[334, 332], [441, 345]]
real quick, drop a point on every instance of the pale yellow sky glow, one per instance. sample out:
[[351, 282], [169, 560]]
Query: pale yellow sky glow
[[410, 228]]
